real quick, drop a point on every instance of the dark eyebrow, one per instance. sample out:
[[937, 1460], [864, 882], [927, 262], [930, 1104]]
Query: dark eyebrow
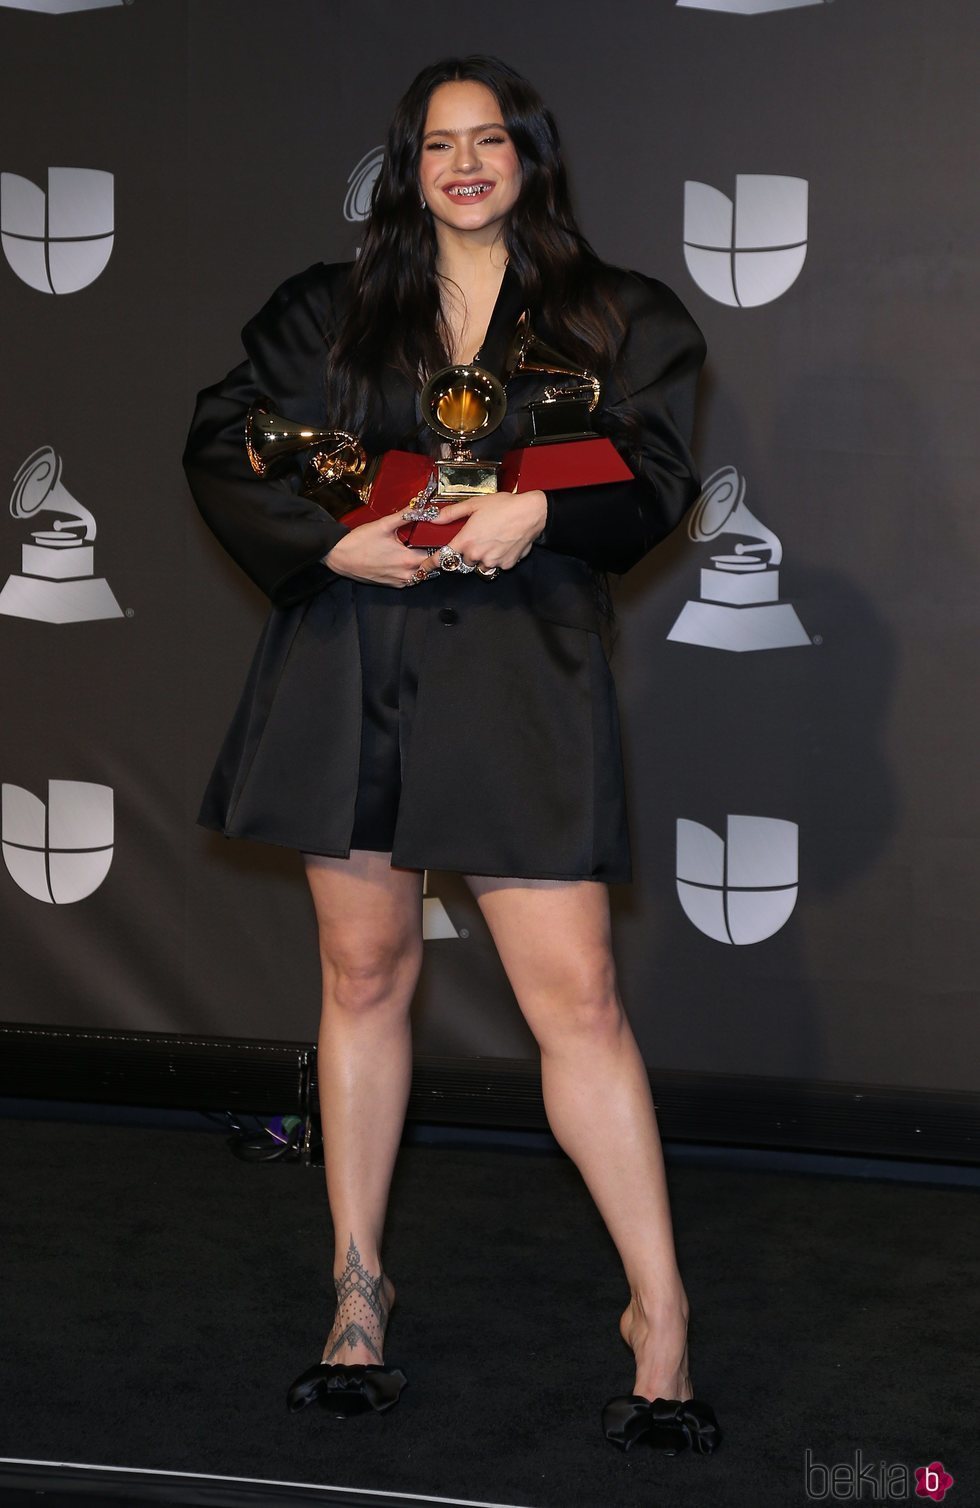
[[461, 130]]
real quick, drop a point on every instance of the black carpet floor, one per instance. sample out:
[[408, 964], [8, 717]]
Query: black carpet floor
[[159, 1295]]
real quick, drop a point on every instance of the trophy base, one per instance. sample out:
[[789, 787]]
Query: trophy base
[[582, 462], [47, 601], [455, 481], [561, 419], [393, 479], [714, 625], [459, 479], [341, 495]]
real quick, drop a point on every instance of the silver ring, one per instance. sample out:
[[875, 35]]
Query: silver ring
[[489, 571], [419, 574], [450, 559]]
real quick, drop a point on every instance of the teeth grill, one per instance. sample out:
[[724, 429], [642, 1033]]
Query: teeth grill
[[469, 190]]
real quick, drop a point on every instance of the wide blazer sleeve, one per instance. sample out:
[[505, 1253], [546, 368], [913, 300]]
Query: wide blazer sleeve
[[613, 525], [275, 534]]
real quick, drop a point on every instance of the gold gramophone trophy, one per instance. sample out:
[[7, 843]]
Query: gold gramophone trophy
[[563, 449], [465, 403], [563, 413], [339, 472], [461, 404]]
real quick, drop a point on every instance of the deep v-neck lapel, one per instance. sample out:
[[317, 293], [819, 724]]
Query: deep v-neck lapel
[[508, 306]]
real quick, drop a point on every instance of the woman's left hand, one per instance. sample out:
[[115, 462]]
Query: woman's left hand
[[500, 527]]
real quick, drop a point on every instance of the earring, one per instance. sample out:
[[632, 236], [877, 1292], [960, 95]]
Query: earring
[[422, 201]]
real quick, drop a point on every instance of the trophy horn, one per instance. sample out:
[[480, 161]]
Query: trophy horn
[[269, 438], [528, 353], [463, 403]]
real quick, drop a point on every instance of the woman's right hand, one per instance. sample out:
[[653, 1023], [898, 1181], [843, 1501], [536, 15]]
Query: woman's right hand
[[373, 552]]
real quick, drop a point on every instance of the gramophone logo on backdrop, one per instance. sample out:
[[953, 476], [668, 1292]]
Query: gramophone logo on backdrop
[[436, 921], [57, 584], [360, 185], [740, 889], [59, 241], [748, 7], [738, 607], [749, 250], [59, 852]]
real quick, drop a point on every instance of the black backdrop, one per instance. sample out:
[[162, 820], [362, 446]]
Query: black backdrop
[[838, 726]]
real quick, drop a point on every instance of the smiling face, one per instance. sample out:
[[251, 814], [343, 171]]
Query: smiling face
[[469, 171]]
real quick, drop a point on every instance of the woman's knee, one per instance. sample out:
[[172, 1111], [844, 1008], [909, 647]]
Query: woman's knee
[[363, 974], [369, 922], [584, 1004]]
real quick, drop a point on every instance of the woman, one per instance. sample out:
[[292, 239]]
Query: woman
[[470, 722]]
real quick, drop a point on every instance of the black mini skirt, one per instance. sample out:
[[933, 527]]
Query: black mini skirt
[[450, 727], [389, 676]]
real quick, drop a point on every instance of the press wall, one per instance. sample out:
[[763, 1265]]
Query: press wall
[[795, 666]]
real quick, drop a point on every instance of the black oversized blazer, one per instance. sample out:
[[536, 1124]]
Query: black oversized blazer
[[509, 732]]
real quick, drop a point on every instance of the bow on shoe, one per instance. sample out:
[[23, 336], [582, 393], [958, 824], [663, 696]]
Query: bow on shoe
[[346, 1389], [668, 1424]]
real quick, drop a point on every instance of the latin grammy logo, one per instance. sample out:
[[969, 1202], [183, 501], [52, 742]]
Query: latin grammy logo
[[360, 185], [436, 921], [57, 584], [739, 605]]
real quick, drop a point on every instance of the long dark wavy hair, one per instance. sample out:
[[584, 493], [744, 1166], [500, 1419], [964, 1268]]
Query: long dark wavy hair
[[394, 315]]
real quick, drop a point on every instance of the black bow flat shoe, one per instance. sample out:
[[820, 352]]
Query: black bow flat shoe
[[346, 1389], [667, 1424]]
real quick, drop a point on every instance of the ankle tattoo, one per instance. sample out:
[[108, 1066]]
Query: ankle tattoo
[[360, 1295]]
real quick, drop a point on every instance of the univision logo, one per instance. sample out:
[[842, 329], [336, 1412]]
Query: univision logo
[[61, 851], [740, 889], [61, 7], [59, 241], [747, 250], [360, 185], [748, 7]]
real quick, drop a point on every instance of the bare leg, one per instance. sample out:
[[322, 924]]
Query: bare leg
[[553, 937], [369, 917]]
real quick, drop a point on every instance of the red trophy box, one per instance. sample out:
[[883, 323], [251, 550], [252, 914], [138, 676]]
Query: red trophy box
[[398, 477], [572, 463]]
